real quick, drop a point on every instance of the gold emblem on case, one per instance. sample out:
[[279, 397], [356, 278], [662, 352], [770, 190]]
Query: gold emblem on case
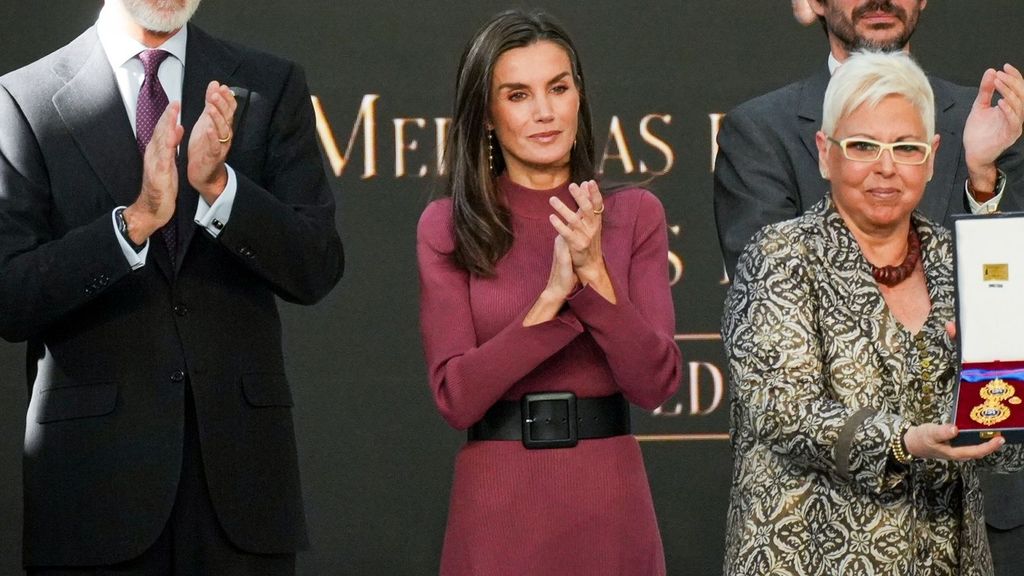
[[996, 272], [997, 390], [990, 413]]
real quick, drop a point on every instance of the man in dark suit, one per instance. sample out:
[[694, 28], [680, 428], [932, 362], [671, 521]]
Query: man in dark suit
[[767, 170], [144, 278]]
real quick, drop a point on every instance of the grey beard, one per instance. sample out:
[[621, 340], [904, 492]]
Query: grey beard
[[153, 20]]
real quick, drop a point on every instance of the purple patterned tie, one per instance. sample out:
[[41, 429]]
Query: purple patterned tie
[[152, 103]]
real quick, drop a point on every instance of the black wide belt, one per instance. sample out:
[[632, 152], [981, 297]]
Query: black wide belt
[[554, 420]]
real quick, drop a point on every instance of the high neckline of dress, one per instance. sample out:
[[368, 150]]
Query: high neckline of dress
[[530, 202]]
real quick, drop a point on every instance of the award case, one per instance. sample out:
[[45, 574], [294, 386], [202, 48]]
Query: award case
[[988, 261]]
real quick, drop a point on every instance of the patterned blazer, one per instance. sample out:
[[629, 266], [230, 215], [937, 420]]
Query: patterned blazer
[[823, 375]]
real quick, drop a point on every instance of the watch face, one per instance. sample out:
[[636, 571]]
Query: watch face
[[122, 226]]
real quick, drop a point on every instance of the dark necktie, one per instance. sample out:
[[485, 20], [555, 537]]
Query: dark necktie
[[152, 103]]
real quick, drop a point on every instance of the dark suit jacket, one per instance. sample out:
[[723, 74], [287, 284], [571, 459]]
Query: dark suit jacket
[[111, 350], [767, 171]]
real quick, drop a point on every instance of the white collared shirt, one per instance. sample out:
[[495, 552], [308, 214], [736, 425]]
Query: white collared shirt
[[121, 51]]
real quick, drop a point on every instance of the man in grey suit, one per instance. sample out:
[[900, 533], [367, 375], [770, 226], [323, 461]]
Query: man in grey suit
[[159, 189], [767, 171]]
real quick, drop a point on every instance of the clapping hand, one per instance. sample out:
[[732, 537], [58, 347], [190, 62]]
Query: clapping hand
[[581, 230], [210, 141], [992, 129], [155, 204]]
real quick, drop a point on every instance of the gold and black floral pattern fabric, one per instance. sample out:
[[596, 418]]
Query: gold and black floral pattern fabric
[[822, 377]]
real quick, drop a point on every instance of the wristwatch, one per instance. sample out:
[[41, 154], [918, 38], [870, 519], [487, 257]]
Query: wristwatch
[[122, 227]]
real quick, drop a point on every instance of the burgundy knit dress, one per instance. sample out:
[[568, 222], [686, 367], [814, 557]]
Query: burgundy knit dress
[[585, 510]]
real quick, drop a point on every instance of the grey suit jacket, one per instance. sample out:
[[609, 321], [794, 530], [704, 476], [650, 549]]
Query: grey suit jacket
[[111, 349], [767, 171]]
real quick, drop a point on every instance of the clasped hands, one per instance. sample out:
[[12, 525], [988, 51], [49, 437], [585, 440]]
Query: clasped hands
[[577, 248], [990, 130], [208, 148]]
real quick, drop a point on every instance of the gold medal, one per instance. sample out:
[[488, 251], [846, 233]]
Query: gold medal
[[990, 413], [997, 390]]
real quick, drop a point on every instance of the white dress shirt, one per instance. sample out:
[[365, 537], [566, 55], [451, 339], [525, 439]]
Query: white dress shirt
[[121, 51]]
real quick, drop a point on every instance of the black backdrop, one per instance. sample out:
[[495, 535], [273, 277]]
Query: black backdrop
[[376, 458]]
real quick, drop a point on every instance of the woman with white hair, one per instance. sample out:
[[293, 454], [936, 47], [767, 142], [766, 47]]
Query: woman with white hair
[[837, 331]]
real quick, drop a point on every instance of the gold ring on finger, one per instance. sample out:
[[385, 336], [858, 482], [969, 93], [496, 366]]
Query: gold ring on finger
[[225, 139], [598, 211]]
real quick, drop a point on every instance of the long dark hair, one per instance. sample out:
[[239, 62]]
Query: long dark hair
[[482, 230]]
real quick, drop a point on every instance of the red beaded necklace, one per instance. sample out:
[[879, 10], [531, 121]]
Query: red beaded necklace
[[893, 275]]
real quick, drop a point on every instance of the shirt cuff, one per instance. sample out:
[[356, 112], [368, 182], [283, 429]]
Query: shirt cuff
[[214, 218], [135, 259], [993, 203]]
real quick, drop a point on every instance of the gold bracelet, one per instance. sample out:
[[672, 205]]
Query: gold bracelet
[[898, 447]]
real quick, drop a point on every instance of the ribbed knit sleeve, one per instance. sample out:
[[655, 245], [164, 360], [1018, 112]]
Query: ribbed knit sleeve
[[637, 333], [466, 376]]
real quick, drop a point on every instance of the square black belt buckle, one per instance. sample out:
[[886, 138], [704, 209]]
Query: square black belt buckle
[[549, 420]]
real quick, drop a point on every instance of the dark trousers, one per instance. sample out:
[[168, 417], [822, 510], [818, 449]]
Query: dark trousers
[[193, 542]]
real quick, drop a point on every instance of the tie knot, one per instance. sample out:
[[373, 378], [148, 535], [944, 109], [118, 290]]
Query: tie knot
[[151, 60]]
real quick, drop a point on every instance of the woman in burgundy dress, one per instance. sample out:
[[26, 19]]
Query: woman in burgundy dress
[[545, 311]]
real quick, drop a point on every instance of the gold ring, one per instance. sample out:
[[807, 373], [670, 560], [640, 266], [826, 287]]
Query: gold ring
[[599, 210], [224, 140]]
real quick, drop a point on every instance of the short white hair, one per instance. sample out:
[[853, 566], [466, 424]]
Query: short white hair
[[868, 77]]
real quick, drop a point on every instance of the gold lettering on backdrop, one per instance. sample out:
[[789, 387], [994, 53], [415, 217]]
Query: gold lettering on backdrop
[[654, 141], [401, 145], [717, 388], [615, 148], [698, 390], [716, 124], [366, 124], [675, 262], [441, 139], [616, 136], [676, 410]]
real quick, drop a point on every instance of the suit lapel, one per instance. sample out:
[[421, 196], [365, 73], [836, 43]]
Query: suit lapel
[[936, 203], [812, 95], [850, 275], [91, 108], [937, 260], [206, 59]]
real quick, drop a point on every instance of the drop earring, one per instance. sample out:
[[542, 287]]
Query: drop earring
[[490, 150]]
